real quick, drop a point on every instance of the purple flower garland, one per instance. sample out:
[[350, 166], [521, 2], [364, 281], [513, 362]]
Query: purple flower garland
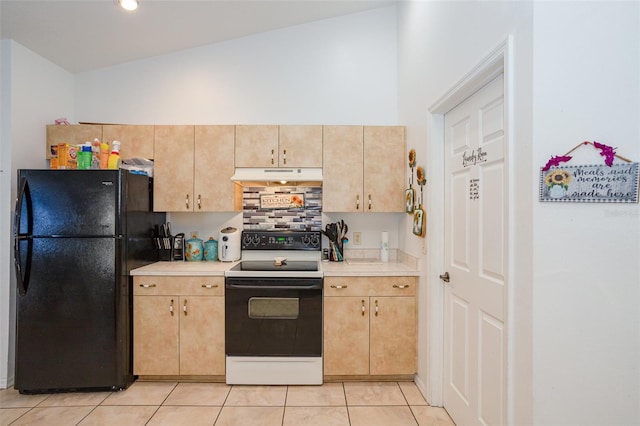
[[606, 151]]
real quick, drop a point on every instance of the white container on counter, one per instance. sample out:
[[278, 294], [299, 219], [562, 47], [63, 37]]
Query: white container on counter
[[229, 244], [384, 246]]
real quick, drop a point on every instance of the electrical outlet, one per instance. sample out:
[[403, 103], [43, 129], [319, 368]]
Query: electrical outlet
[[357, 238]]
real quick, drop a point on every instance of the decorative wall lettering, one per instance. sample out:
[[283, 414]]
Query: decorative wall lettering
[[617, 183], [608, 183], [474, 189], [474, 157], [282, 201]]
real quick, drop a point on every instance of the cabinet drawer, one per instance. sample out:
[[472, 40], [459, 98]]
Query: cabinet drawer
[[370, 286], [183, 285]]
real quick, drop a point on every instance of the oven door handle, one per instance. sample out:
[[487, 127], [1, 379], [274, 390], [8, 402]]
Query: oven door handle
[[275, 287]]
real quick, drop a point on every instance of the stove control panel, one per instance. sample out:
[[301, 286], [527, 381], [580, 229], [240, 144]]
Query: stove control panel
[[281, 240]]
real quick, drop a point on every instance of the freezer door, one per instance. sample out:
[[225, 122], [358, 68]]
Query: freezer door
[[73, 320], [70, 203]]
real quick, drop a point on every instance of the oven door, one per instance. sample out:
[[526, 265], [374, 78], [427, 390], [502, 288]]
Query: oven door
[[278, 317]]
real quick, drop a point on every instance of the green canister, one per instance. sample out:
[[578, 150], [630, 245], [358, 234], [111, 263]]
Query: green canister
[[211, 249]]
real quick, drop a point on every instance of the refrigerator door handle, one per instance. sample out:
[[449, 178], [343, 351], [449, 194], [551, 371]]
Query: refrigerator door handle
[[22, 274]]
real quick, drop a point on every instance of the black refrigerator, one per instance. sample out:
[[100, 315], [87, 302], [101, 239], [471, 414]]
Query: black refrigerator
[[77, 236]]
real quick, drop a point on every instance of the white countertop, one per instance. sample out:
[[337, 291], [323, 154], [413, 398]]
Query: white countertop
[[391, 268], [184, 268], [329, 269]]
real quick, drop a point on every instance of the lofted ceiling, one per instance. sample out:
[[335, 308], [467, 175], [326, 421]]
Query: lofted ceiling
[[83, 35]]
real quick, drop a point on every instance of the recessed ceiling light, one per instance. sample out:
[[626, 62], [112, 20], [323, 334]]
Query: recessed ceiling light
[[128, 4]]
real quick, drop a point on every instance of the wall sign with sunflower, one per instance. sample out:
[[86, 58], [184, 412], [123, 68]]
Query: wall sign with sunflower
[[282, 201], [606, 183]]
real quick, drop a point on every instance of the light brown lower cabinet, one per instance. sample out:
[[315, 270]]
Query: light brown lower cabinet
[[178, 326], [370, 326]]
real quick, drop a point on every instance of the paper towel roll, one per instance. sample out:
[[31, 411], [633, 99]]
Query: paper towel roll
[[384, 246]]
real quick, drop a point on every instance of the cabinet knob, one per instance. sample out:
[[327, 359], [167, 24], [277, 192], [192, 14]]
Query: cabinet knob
[[363, 308], [284, 156], [186, 201], [339, 286], [369, 201], [171, 307], [184, 307], [358, 202], [272, 157], [376, 308], [199, 202]]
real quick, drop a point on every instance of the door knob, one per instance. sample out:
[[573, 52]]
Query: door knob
[[445, 277]]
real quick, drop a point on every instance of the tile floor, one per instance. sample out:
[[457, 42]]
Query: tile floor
[[171, 403]]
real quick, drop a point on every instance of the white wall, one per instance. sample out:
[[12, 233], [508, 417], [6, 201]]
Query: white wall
[[6, 319], [35, 93], [574, 292], [439, 43], [587, 256], [335, 71]]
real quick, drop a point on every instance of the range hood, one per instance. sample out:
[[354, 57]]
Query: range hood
[[277, 176]]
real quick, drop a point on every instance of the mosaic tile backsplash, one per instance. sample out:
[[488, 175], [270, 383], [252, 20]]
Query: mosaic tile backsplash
[[308, 217]]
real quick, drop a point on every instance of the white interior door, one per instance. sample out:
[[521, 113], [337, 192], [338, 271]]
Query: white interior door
[[475, 258]]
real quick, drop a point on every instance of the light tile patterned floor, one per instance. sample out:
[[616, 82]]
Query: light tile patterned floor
[[193, 404]]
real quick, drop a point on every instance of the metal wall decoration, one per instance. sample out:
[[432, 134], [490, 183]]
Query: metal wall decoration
[[608, 183], [419, 215], [410, 193]]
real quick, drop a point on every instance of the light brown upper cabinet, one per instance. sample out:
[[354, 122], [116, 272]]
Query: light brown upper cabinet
[[136, 140], [278, 146], [385, 168], [173, 173], [193, 168], [300, 146], [363, 169], [212, 186], [73, 134]]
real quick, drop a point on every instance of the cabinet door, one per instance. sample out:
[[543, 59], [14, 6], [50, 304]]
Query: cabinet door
[[256, 146], [173, 168], [202, 335], [342, 169], [384, 169], [300, 146], [346, 336], [137, 140], [214, 151], [155, 335], [393, 335], [72, 134]]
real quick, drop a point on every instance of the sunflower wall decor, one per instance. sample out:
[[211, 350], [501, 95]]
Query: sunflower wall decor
[[410, 193], [419, 215], [590, 183], [557, 182]]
